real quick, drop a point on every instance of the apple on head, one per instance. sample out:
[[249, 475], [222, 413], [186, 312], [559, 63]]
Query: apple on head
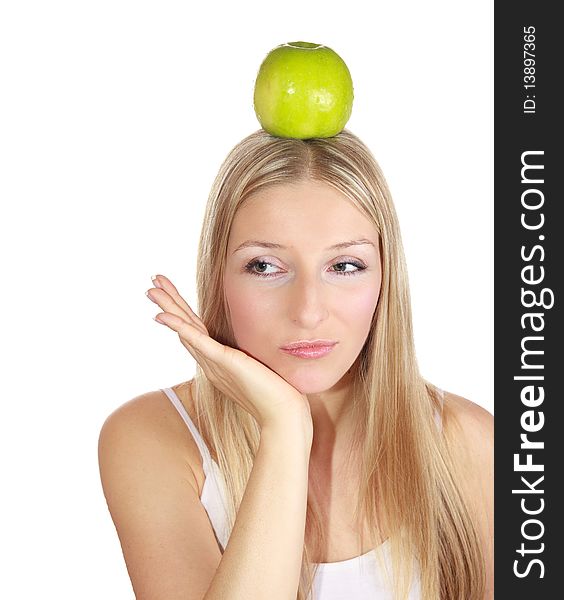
[[303, 90]]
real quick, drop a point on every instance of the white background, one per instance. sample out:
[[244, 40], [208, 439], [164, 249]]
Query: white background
[[115, 116]]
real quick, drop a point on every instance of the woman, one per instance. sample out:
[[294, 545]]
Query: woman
[[332, 472]]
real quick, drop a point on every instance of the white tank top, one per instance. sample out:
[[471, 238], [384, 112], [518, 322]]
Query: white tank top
[[360, 578]]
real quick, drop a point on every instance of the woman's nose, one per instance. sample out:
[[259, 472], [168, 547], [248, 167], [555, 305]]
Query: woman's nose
[[308, 302]]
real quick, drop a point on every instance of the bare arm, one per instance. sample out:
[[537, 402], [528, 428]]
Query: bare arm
[[168, 544], [263, 556]]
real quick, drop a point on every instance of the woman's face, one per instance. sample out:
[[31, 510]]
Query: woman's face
[[305, 287]]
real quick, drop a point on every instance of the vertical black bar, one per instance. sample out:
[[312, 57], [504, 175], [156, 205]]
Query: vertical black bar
[[529, 341]]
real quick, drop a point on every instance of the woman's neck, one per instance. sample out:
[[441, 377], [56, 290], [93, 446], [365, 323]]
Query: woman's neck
[[334, 425]]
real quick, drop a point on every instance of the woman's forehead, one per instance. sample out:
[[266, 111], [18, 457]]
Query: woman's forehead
[[310, 209]]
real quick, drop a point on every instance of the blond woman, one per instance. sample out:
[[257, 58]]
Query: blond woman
[[308, 457]]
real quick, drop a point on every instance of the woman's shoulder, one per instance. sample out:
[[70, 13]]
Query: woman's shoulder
[[149, 422], [469, 433], [155, 410], [162, 524], [467, 419]]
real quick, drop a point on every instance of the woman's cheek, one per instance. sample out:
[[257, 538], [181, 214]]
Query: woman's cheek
[[362, 304], [252, 313], [368, 302]]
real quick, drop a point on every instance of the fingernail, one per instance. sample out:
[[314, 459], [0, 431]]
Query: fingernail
[[155, 319], [155, 281]]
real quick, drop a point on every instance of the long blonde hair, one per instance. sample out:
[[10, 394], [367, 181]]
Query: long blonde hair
[[407, 477]]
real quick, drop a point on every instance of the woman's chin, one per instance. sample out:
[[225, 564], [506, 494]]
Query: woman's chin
[[310, 383]]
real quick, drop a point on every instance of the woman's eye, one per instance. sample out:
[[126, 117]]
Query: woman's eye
[[358, 267], [259, 264], [260, 267]]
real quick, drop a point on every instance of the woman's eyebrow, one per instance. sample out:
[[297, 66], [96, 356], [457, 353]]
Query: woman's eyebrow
[[263, 244]]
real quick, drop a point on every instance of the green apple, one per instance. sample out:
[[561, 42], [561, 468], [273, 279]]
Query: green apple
[[303, 90]]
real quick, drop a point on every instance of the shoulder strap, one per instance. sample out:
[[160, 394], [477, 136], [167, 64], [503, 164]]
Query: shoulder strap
[[206, 456]]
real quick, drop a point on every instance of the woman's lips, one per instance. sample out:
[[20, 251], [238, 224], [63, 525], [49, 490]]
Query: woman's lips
[[313, 351]]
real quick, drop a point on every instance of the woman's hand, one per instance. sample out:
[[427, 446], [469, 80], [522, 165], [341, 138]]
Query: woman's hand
[[256, 388]]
